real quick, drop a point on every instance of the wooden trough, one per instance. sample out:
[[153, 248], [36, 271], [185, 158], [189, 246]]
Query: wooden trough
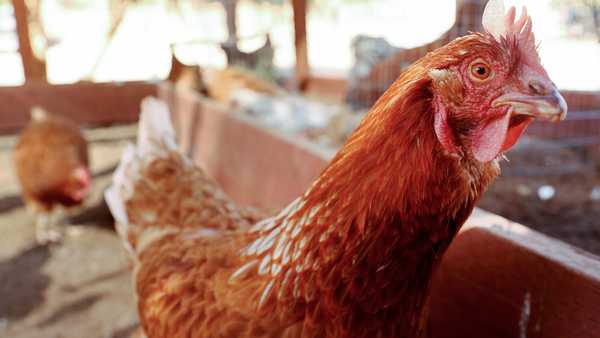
[[499, 279], [85, 102]]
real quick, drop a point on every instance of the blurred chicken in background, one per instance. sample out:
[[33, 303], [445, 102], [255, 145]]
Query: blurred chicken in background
[[51, 164], [222, 84], [276, 108]]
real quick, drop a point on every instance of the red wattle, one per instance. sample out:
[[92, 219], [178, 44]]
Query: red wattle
[[514, 133], [489, 140], [497, 137]]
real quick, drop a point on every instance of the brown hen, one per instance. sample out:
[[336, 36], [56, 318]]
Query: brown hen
[[51, 164], [354, 255], [221, 84]]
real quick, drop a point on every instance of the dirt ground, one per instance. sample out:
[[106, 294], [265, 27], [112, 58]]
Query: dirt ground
[[80, 288]]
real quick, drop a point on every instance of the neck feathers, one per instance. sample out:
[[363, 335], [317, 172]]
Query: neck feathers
[[367, 234]]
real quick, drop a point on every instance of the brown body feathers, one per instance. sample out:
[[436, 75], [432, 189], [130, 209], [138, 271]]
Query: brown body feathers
[[353, 257], [51, 162]]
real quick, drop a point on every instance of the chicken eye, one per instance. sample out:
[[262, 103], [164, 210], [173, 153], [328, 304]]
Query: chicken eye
[[481, 72]]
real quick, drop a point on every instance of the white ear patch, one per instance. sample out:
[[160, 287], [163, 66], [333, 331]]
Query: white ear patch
[[494, 18], [438, 74]]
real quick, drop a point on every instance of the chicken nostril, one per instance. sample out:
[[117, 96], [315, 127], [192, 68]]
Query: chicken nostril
[[537, 88]]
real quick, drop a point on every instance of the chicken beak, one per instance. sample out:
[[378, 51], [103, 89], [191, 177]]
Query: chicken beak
[[545, 104]]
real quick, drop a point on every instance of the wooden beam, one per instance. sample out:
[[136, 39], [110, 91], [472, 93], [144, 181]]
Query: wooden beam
[[85, 102], [327, 86], [34, 68], [500, 279], [302, 65]]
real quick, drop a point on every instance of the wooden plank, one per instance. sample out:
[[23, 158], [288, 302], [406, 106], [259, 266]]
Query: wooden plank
[[327, 86], [185, 116], [498, 279], [236, 152], [302, 64], [87, 103], [582, 100], [34, 68]]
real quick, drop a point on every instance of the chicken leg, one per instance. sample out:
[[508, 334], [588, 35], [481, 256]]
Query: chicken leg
[[45, 230]]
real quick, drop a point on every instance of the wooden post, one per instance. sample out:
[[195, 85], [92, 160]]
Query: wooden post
[[34, 68], [231, 18], [302, 66]]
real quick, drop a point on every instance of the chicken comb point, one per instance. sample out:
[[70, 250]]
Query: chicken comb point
[[502, 24]]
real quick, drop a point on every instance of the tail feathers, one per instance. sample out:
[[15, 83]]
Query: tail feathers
[[155, 133], [122, 187], [156, 138]]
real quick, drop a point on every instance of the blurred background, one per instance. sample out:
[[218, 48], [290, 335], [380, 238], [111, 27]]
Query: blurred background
[[305, 69], [133, 40]]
